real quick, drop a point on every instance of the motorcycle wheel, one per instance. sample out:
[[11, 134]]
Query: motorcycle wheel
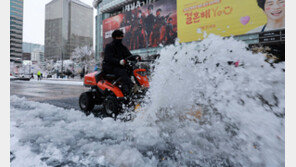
[[111, 106], [86, 102]]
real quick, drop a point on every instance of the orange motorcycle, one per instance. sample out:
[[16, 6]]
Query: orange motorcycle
[[105, 89]]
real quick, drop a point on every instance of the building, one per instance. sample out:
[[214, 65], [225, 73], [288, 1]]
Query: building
[[131, 16], [26, 56], [68, 24], [30, 47], [16, 30], [37, 56]]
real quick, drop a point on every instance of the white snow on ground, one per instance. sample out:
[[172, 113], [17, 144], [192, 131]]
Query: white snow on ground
[[62, 82], [241, 117], [58, 136]]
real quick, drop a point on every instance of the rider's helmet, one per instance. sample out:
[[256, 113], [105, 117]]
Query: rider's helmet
[[117, 33]]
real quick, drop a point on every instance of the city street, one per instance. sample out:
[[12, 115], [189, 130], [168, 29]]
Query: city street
[[242, 120], [196, 83], [58, 93]]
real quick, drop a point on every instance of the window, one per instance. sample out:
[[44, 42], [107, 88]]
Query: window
[[13, 18], [16, 5], [14, 23], [15, 14], [17, 1], [12, 32], [16, 9], [15, 28]]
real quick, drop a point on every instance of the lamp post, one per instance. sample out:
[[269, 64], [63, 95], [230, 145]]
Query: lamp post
[[62, 59], [62, 62]]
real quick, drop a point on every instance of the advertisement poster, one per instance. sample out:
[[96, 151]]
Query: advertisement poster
[[228, 17], [145, 26]]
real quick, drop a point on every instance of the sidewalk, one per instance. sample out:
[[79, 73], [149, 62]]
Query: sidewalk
[[62, 81], [13, 78]]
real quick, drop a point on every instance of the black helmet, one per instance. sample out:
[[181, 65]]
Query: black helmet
[[117, 33]]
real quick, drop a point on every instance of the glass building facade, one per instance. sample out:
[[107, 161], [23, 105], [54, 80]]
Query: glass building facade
[[16, 30], [68, 25], [30, 47]]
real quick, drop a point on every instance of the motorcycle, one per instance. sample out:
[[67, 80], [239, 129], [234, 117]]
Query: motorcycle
[[106, 89]]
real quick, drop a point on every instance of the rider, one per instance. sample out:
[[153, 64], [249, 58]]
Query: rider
[[115, 60]]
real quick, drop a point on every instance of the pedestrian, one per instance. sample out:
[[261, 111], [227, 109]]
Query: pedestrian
[[39, 75], [96, 68], [82, 73], [57, 74]]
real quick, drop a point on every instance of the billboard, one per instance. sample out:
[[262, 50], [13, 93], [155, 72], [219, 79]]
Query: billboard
[[228, 17], [145, 26]]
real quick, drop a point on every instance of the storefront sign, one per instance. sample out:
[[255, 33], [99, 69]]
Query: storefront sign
[[272, 36], [136, 4]]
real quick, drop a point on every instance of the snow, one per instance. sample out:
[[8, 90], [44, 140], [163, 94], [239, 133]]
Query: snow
[[240, 122], [57, 81], [67, 136]]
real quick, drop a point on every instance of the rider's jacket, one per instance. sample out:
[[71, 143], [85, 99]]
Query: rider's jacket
[[114, 52]]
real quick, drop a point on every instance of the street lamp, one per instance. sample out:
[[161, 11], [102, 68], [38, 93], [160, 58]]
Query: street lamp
[[62, 62]]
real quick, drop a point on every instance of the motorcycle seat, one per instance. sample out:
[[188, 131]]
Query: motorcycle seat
[[103, 75], [110, 76]]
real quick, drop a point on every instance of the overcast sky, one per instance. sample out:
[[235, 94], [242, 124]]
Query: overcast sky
[[34, 18]]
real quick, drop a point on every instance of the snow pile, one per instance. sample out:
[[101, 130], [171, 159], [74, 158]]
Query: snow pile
[[45, 135], [239, 97], [200, 111]]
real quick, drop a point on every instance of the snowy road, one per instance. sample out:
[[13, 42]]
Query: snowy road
[[63, 94], [241, 120]]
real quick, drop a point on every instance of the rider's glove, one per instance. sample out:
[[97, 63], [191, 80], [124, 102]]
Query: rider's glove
[[138, 58], [122, 62]]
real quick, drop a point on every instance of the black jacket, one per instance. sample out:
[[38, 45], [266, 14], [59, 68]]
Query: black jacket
[[114, 52]]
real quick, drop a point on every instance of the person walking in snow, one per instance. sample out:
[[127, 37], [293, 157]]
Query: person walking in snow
[[39, 75]]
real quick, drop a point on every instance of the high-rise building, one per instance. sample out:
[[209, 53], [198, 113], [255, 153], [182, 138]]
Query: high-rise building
[[68, 25], [16, 30]]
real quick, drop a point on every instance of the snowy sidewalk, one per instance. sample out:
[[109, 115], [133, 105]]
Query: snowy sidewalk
[[60, 81]]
